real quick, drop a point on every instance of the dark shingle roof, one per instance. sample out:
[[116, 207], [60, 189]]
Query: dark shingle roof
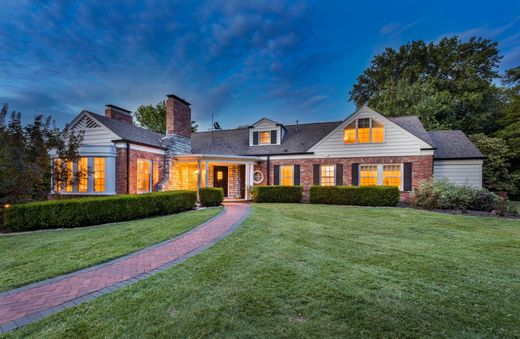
[[298, 139], [130, 132], [412, 124], [454, 145]]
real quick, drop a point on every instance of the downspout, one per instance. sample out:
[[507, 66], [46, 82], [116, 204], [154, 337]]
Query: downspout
[[127, 168], [268, 171]]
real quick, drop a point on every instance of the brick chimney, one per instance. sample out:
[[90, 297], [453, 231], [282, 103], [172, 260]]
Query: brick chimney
[[118, 113], [178, 125]]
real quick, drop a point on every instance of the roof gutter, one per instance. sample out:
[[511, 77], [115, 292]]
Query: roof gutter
[[271, 154], [140, 144], [462, 158]]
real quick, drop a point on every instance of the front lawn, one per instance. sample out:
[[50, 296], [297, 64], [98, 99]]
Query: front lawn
[[36, 256], [323, 271]]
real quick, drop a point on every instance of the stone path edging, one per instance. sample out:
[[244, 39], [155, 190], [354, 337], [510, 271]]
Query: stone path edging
[[219, 227]]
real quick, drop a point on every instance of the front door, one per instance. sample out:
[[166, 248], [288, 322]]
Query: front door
[[220, 178]]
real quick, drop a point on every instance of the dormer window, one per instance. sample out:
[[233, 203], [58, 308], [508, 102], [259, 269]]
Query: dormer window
[[264, 138], [364, 130]]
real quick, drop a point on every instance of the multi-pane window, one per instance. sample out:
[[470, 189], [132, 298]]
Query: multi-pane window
[[286, 175], [327, 174], [144, 179], [365, 130], [99, 174], [264, 137], [367, 175], [70, 173], [58, 176], [349, 135], [392, 175], [378, 131], [83, 175]]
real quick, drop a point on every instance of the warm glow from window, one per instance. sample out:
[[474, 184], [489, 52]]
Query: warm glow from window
[[70, 173], [143, 175], [364, 130], [99, 174], [392, 175], [83, 175], [58, 177], [378, 131], [327, 173], [368, 175], [264, 137], [286, 174], [349, 134]]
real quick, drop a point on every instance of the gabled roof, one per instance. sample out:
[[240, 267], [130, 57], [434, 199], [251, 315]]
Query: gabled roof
[[412, 124], [454, 145], [264, 119], [129, 132], [298, 139]]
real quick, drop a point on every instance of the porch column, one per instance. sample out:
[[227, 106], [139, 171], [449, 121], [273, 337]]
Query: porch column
[[249, 179], [206, 179]]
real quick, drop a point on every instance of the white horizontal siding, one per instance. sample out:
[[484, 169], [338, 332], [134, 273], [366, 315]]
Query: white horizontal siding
[[398, 142], [460, 172], [99, 135]]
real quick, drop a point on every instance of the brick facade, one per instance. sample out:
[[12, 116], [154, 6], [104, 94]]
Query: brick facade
[[121, 169], [178, 117], [117, 113], [422, 168]]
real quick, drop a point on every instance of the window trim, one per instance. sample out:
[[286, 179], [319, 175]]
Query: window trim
[[333, 174], [261, 180], [356, 123], [150, 173], [104, 174]]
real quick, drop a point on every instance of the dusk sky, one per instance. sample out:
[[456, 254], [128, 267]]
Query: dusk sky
[[239, 60]]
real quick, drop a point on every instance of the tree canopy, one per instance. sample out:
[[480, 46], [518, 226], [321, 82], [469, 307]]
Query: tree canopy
[[449, 84], [154, 118]]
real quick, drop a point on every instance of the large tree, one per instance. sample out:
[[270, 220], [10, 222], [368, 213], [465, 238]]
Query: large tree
[[154, 118], [449, 84], [27, 167]]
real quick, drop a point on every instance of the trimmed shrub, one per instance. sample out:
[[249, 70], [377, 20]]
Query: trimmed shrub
[[445, 195], [211, 196], [355, 195], [95, 211], [292, 194]]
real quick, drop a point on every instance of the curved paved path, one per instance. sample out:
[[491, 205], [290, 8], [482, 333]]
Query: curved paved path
[[30, 303]]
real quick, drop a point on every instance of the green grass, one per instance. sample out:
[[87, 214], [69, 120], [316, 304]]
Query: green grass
[[36, 256], [323, 271]]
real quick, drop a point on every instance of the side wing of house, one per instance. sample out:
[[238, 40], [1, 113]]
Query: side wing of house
[[460, 172]]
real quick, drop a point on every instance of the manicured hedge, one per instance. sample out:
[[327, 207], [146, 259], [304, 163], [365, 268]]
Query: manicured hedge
[[277, 193], [355, 195], [94, 211], [211, 196]]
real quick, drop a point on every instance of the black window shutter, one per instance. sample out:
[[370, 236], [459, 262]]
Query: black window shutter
[[276, 174], [255, 138], [355, 174], [407, 184], [316, 174], [273, 136], [339, 174], [296, 175]]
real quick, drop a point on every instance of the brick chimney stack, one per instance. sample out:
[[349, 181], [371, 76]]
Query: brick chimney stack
[[178, 125], [178, 116], [118, 113]]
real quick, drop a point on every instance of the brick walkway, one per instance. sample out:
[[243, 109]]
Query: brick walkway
[[27, 304]]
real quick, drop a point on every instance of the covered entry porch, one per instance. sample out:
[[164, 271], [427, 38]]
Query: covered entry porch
[[234, 174]]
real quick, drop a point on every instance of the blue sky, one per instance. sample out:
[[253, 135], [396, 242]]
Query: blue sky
[[239, 60]]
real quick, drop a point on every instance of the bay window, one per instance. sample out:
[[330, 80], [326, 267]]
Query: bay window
[[99, 174], [144, 177], [70, 173], [82, 175]]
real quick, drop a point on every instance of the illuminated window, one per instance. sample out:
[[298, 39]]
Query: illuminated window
[[144, 180], [364, 130], [392, 175], [83, 175], [349, 134], [58, 176], [286, 175], [70, 173], [378, 131], [367, 175], [264, 137], [220, 175], [327, 174], [99, 174]]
